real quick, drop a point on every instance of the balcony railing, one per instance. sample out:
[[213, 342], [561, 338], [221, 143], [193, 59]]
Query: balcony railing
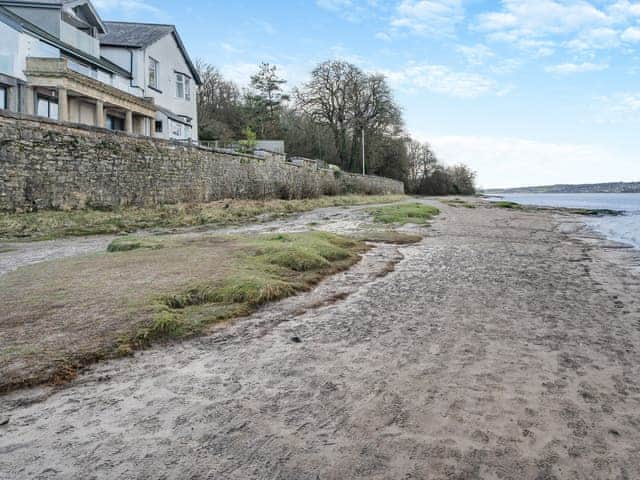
[[80, 40]]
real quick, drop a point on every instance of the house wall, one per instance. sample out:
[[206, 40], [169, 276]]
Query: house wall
[[119, 56], [167, 52], [48, 165]]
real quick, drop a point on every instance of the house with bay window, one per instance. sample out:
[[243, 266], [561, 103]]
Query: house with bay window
[[60, 60]]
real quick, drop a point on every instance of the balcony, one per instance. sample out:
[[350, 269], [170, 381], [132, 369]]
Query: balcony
[[72, 87], [80, 40]]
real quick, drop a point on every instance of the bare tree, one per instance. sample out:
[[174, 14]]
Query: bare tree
[[220, 109], [325, 98]]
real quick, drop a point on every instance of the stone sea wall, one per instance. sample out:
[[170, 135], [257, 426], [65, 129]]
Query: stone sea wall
[[50, 165]]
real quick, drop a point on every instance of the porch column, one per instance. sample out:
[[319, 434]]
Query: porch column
[[100, 114], [63, 105], [152, 127], [30, 101], [128, 121]]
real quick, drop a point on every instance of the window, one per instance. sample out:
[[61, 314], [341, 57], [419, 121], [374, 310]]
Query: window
[[158, 126], [153, 72], [183, 86], [179, 85], [177, 130], [3, 97], [47, 107], [115, 123]]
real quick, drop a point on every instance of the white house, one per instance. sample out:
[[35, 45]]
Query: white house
[[160, 66], [59, 60]]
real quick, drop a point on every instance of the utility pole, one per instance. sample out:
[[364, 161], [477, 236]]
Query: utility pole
[[363, 169]]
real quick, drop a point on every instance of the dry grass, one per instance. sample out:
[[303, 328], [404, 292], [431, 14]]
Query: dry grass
[[55, 224], [59, 316]]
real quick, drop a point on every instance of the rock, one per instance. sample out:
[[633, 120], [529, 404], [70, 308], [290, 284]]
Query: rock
[[296, 339], [4, 421]]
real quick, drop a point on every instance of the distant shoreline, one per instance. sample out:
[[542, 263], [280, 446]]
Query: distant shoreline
[[611, 187]]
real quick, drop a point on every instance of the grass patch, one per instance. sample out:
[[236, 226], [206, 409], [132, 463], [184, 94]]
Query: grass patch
[[61, 315], [46, 225], [126, 244], [404, 213], [508, 205], [456, 202]]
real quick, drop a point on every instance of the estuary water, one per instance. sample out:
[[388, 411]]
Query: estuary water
[[624, 228]]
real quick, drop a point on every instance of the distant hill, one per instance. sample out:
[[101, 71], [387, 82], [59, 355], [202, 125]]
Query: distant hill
[[614, 187]]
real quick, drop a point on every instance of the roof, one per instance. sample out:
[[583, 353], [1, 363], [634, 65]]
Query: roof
[[21, 24], [142, 35], [89, 10], [137, 35], [33, 3]]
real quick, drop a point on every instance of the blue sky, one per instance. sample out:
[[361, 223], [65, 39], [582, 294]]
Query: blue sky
[[524, 91]]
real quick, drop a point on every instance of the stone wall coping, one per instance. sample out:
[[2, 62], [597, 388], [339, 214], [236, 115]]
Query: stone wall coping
[[116, 133]]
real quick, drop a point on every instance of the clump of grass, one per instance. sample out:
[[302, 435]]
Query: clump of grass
[[404, 213], [456, 202], [46, 225], [126, 244], [388, 236], [269, 268], [506, 204]]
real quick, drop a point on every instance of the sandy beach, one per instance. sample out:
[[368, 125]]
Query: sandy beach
[[505, 345]]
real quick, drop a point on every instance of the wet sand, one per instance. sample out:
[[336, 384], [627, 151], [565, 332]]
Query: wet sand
[[506, 345]]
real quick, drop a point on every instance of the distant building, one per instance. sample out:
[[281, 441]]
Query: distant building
[[273, 146], [59, 60]]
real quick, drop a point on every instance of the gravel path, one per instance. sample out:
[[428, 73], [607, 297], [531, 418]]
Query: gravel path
[[499, 348]]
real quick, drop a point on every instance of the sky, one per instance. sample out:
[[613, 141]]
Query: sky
[[525, 92]]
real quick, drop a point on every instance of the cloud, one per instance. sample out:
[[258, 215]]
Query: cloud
[[129, 8], [623, 10], [539, 18], [595, 39], [631, 35], [428, 17], [476, 54], [569, 68], [230, 49], [441, 79], [349, 10], [506, 66], [582, 27], [622, 107], [515, 162]]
